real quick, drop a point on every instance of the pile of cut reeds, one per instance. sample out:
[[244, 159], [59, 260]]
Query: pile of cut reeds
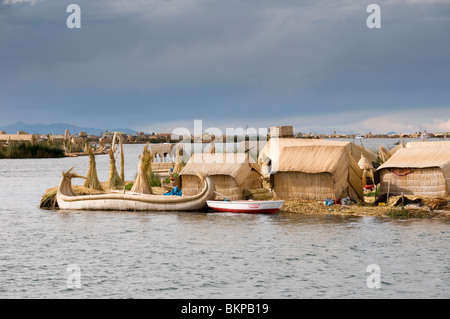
[[48, 200]]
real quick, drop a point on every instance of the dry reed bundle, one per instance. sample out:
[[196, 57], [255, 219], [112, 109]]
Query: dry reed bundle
[[114, 179], [383, 154], [48, 200], [437, 202], [66, 135], [179, 163], [396, 148], [86, 143], [432, 202], [212, 145], [122, 160], [91, 180], [142, 185], [101, 149]]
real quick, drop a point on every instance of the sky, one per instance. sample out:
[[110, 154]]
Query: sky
[[158, 65]]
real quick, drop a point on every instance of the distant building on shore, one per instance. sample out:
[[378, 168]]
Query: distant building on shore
[[21, 136]]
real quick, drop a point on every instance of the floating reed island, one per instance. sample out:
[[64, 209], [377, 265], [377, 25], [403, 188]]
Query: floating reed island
[[312, 176], [324, 176]]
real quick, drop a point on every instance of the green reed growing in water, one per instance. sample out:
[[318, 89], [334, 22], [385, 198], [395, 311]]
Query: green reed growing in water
[[29, 150]]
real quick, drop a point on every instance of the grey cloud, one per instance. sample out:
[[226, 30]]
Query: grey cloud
[[222, 58]]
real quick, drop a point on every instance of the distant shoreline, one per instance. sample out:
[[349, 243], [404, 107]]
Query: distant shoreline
[[48, 149]]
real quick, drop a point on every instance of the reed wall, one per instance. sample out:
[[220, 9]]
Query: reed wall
[[298, 185], [223, 184], [413, 181]]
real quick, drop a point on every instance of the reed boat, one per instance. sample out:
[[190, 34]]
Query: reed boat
[[246, 206], [69, 200]]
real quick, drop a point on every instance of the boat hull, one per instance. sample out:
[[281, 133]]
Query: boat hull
[[131, 204], [68, 200], [246, 207]]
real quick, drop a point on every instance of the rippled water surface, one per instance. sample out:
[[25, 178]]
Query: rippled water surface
[[204, 255]]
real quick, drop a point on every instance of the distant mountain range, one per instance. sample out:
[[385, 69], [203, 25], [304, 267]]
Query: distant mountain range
[[58, 128]]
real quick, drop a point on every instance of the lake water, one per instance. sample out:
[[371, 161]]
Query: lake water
[[204, 255]]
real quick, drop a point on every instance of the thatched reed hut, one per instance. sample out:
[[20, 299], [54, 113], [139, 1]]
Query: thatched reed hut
[[419, 171], [20, 137], [162, 158], [162, 150], [316, 172], [231, 174], [272, 150]]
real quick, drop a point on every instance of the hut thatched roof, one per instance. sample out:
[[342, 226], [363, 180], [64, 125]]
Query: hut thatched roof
[[18, 137], [316, 159], [423, 144], [234, 165], [274, 144], [421, 157]]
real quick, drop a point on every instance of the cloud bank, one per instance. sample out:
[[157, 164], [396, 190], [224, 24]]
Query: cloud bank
[[145, 64]]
